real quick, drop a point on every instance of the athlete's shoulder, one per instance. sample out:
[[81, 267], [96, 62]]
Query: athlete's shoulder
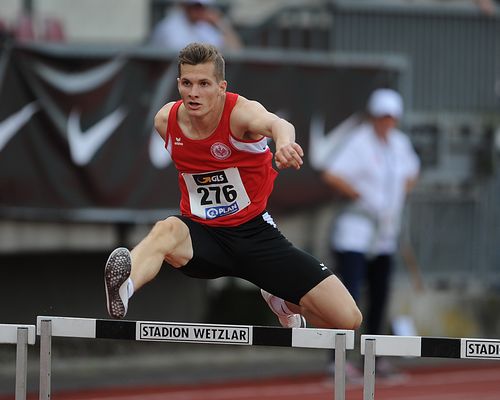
[[243, 113], [161, 119], [165, 110], [246, 106]]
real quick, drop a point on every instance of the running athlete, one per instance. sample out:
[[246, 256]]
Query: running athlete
[[218, 143]]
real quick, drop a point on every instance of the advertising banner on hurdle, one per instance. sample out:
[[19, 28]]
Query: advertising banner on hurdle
[[172, 332], [157, 331], [421, 346], [194, 333], [439, 347], [480, 349]]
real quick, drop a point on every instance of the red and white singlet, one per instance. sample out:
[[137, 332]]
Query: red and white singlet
[[224, 181]]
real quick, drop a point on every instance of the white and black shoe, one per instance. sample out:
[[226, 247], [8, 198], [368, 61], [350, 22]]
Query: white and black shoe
[[116, 274], [292, 321], [278, 306]]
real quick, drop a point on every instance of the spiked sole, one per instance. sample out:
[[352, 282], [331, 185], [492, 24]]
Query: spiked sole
[[116, 273]]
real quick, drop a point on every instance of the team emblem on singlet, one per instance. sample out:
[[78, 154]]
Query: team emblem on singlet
[[216, 194], [220, 151]]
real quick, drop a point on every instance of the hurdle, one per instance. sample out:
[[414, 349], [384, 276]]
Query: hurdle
[[21, 336], [421, 346], [156, 331]]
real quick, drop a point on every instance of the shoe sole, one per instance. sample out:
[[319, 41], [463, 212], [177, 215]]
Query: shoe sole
[[116, 272], [285, 323], [267, 297]]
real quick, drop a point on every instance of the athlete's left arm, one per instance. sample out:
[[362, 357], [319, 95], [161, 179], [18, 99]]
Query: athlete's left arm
[[250, 119]]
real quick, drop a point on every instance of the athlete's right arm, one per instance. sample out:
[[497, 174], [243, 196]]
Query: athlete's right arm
[[161, 119]]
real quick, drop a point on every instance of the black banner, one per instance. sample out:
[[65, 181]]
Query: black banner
[[76, 124]]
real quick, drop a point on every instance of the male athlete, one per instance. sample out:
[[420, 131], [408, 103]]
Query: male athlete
[[218, 143]]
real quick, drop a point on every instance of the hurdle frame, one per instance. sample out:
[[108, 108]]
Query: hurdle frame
[[21, 336], [195, 333], [421, 346]]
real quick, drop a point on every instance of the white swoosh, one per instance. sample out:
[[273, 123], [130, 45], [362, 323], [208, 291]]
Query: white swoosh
[[79, 82], [12, 124], [321, 145], [159, 156], [83, 145]]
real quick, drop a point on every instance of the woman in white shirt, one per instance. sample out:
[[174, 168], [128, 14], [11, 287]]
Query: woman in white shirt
[[373, 171]]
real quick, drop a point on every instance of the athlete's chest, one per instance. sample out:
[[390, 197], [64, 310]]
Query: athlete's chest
[[203, 155]]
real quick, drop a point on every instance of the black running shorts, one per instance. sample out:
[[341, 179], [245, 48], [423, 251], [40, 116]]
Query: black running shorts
[[257, 252]]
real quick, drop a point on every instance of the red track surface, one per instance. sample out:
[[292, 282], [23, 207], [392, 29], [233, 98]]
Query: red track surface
[[457, 382]]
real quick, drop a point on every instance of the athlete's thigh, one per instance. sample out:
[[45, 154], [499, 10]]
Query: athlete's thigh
[[275, 265], [210, 260]]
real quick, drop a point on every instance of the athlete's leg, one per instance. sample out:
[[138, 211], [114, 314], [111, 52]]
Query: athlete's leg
[[330, 305], [126, 271], [327, 305], [272, 263], [283, 310], [170, 241]]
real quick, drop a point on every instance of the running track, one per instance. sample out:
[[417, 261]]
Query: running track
[[464, 381]]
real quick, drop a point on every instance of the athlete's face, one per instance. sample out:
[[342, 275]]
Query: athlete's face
[[199, 89]]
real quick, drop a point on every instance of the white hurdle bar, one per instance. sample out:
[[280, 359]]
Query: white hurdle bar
[[155, 331], [420, 346], [21, 336]]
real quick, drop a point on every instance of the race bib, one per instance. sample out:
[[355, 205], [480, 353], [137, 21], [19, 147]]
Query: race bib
[[216, 194]]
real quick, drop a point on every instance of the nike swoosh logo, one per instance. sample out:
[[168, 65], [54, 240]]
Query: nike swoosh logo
[[322, 145], [12, 124], [83, 145], [79, 82], [158, 155]]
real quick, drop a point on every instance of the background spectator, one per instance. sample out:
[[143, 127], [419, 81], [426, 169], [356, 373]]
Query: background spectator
[[373, 170], [195, 21]]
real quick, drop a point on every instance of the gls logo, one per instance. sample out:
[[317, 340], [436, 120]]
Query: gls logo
[[210, 178]]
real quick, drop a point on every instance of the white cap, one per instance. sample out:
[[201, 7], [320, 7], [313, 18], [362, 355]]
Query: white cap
[[383, 102]]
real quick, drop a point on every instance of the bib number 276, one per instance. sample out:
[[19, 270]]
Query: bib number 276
[[212, 194], [216, 194]]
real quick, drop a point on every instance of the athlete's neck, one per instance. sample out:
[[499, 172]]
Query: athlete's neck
[[202, 126]]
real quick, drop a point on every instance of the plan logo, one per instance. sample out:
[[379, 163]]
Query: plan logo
[[220, 211]]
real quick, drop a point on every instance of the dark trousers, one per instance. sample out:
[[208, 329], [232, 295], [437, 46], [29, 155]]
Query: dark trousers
[[356, 271]]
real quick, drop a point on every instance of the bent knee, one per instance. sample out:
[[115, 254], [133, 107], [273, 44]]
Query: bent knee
[[347, 318], [170, 226], [333, 304], [352, 319], [349, 315], [172, 239]]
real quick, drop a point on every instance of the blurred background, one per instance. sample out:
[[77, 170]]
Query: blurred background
[[82, 172]]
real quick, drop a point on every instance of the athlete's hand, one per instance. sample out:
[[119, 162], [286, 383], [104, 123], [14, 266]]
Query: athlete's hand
[[289, 155]]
